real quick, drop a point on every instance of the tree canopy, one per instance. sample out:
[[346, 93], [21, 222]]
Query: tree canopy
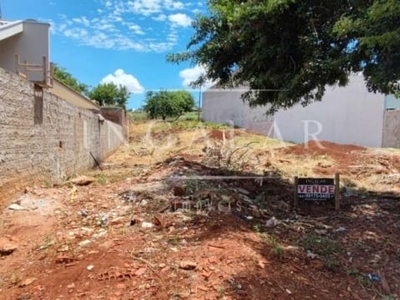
[[106, 94], [110, 94], [165, 104], [288, 51], [65, 77]]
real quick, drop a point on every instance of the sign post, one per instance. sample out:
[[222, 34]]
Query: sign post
[[337, 192], [317, 189]]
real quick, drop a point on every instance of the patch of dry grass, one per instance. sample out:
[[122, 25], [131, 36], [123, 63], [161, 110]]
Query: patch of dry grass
[[152, 142]]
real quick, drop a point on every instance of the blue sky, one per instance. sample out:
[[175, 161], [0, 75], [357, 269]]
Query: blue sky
[[114, 40]]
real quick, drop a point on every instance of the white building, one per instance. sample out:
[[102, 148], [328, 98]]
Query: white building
[[346, 115], [25, 49]]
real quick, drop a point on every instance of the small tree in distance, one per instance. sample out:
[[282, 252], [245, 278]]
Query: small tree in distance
[[110, 94], [106, 94], [165, 104]]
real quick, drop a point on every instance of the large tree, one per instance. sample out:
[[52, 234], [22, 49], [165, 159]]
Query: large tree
[[68, 79], [110, 94], [288, 51], [165, 104]]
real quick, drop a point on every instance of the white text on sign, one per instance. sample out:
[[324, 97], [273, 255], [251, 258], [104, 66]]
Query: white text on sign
[[316, 189]]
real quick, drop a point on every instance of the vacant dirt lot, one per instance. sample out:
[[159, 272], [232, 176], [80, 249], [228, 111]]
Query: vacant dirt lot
[[185, 212]]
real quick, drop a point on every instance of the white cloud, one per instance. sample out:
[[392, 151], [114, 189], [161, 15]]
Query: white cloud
[[189, 75], [136, 29], [160, 17], [112, 26], [180, 20], [119, 77], [172, 37], [82, 20], [144, 7], [76, 33], [173, 5]]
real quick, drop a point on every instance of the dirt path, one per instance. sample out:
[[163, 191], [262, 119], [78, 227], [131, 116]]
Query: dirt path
[[148, 228]]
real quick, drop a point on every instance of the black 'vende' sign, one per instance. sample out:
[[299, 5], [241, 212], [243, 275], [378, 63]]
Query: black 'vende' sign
[[316, 188]]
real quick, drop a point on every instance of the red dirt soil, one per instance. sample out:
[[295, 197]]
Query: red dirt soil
[[349, 159], [323, 148], [208, 255], [217, 134]]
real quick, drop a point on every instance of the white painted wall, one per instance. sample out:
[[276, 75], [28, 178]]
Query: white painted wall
[[349, 115], [31, 45], [226, 106]]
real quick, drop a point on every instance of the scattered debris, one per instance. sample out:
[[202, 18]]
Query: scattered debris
[[187, 265], [374, 277], [7, 247], [311, 255], [64, 259], [209, 235], [103, 221], [140, 272], [147, 225], [340, 229], [272, 222], [71, 286], [82, 180], [63, 248], [83, 213], [27, 282], [84, 243], [17, 207]]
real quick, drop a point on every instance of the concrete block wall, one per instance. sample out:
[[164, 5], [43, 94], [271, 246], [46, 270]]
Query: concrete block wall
[[49, 149], [391, 129], [116, 115]]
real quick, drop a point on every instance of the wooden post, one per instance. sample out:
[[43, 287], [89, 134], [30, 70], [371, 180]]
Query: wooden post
[[337, 191], [295, 199]]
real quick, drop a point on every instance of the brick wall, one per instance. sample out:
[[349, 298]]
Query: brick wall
[[46, 139]]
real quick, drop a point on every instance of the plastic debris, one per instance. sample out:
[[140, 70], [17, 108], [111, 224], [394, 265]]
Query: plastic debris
[[84, 243], [147, 225], [90, 267], [103, 221], [311, 255], [374, 277], [17, 207], [83, 213], [272, 222], [340, 229]]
